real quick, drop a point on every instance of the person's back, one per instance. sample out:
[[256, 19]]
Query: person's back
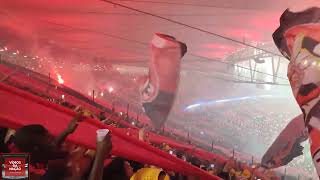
[[36, 140], [118, 169], [192, 178], [44, 154]]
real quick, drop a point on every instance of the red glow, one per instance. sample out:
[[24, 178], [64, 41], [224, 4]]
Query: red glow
[[60, 80], [111, 89], [220, 47], [243, 34], [216, 50]]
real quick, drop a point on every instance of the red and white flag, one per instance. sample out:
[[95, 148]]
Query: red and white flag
[[160, 88]]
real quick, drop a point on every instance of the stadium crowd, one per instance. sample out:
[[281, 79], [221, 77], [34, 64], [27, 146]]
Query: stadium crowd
[[54, 158]]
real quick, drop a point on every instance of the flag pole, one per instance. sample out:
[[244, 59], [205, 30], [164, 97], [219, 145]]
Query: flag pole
[[252, 160], [93, 95], [232, 153], [212, 146], [128, 109], [49, 82], [113, 108], [285, 173]]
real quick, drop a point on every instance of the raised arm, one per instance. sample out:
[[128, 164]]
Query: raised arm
[[103, 150], [69, 130]]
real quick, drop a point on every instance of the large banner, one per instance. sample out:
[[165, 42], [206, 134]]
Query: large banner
[[298, 40], [160, 88], [23, 108]]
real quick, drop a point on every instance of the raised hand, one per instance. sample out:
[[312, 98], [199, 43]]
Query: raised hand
[[105, 146], [75, 122]]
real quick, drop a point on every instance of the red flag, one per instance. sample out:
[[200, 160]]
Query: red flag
[[160, 89]]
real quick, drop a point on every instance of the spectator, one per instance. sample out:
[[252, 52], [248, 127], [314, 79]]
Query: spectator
[[150, 173], [118, 169], [195, 161], [102, 116], [136, 166], [36, 140], [44, 149], [224, 173], [103, 150], [79, 162], [3, 144], [246, 174]]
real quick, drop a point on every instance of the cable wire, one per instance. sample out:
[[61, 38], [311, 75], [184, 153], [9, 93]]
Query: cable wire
[[189, 4], [238, 66], [191, 27], [147, 44]]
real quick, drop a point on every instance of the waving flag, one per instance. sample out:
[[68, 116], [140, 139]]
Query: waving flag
[[298, 39], [159, 90], [287, 145]]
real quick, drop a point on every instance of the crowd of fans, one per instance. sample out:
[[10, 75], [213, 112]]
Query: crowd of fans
[[78, 159], [53, 158], [239, 125]]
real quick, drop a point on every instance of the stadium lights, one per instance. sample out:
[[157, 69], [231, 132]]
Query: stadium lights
[[60, 80], [305, 62], [111, 89], [15, 53]]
